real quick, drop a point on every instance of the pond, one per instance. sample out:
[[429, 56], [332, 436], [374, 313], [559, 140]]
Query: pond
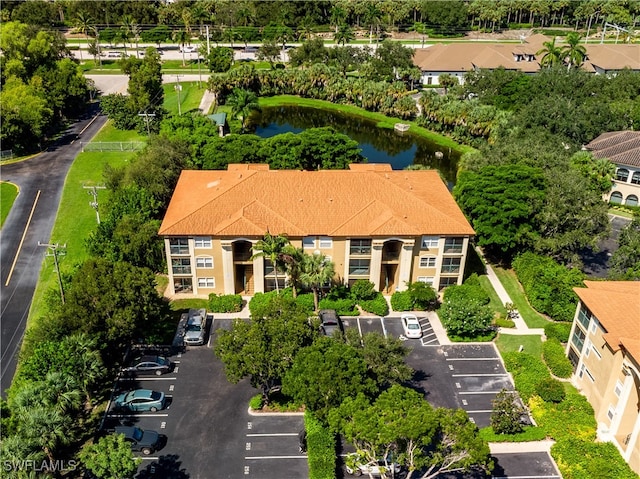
[[379, 145]]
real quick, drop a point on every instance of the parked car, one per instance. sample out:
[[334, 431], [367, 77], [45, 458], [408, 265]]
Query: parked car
[[355, 465], [411, 326], [330, 322], [140, 440], [140, 400], [188, 49], [195, 329], [157, 365]]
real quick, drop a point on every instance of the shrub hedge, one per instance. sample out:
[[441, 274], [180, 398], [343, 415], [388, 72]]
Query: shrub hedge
[[573, 417], [255, 402], [548, 285], [581, 459], [559, 331], [378, 305], [530, 433], [558, 363], [551, 390], [344, 307], [259, 299], [225, 303], [527, 372], [363, 289], [504, 323], [321, 449], [401, 301]]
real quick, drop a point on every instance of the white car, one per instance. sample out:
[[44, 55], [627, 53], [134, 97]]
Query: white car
[[411, 326], [188, 49]]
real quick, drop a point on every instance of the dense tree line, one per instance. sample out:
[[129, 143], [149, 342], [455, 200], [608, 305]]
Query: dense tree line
[[41, 86], [253, 20]]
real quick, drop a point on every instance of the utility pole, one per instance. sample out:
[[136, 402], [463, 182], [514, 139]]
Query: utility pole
[[55, 252], [93, 191], [208, 42], [178, 88], [146, 119]]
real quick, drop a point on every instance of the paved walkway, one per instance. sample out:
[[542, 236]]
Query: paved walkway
[[207, 100], [515, 447]]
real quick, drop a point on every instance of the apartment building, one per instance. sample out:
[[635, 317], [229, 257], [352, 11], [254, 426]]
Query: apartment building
[[389, 227], [604, 347]]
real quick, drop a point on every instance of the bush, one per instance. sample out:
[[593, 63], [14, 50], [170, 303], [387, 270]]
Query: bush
[[259, 301], [527, 372], [321, 449], [504, 323], [339, 291], [506, 414], [463, 314], [559, 331], [558, 363], [580, 459], [378, 305], [363, 290], [227, 303], [306, 301], [551, 390], [573, 417], [548, 285], [344, 307], [530, 433], [401, 301], [256, 402]]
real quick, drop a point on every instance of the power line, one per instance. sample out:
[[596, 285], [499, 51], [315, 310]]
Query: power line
[[55, 251], [93, 191]]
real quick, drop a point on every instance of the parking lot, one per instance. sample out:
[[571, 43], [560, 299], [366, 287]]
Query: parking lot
[[211, 434]]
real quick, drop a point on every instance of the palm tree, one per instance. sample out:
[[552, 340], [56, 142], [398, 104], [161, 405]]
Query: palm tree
[[292, 258], [46, 427], [316, 272], [242, 103], [573, 52], [83, 25], [372, 17], [344, 35], [182, 37], [271, 247], [551, 54]]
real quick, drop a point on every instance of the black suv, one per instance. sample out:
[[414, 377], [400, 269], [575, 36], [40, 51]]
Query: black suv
[[140, 441], [330, 322]]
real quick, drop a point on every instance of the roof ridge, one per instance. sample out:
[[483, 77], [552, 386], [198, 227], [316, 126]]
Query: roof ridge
[[365, 207], [272, 211]]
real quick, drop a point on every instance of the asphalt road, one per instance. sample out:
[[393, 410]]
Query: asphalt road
[[40, 181]]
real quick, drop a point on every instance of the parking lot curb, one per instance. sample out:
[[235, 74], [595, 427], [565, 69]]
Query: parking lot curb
[[253, 412]]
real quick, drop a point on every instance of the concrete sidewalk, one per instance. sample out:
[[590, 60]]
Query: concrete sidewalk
[[513, 447]]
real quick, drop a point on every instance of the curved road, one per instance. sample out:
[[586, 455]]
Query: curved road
[[40, 181]]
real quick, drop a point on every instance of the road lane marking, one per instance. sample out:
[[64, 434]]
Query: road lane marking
[[476, 375], [274, 434], [359, 327], [257, 458], [480, 411], [137, 415], [472, 359], [24, 234], [146, 379], [484, 392]]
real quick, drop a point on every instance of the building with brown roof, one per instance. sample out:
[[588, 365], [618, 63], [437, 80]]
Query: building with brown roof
[[389, 227], [604, 348], [458, 58], [623, 149]]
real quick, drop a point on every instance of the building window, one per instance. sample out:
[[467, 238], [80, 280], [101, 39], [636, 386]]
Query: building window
[[326, 242], [596, 352], [616, 198], [453, 245], [587, 350], [622, 174], [632, 200], [181, 266], [358, 267], [430, 242], [444, 282], [426, 279], [427, 261], [206, 283], [309, 242], [584, 370], [268, 267], [450, 265], [635, 178], [611, 412], [360, 247], [584, 316], [204, 262], [618, 389], [578, 339], [270, 284], [202, 242], [594, 325], [182, 285], [179, 246]]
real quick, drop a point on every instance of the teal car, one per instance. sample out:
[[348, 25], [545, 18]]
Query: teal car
[[140, 400]]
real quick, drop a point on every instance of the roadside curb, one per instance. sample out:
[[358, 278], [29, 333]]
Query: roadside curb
[[255, 413]]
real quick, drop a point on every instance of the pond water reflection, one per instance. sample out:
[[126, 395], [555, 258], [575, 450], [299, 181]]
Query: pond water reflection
[[379, 145]]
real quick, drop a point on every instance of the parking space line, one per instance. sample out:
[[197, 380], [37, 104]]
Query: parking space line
[[480, 411], [359, 327], [275, 434], [257, 458], [147, 379], [137, 415], [484, 392], [149, 458], [527, 477], [211, 332], [472, 359], [477, 375], [384, 330]]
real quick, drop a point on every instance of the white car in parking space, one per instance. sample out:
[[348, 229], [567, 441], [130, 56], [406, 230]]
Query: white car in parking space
[[411, 326], [188, 48]]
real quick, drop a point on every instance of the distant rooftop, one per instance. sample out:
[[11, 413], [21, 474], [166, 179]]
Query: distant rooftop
[[620, 147]]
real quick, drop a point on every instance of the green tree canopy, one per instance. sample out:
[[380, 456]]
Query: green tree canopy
[[625, 262], [110, 457]]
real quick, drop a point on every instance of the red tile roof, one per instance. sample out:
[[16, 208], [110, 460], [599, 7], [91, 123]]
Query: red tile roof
[[368, 200], [620, 147], [616, 304]]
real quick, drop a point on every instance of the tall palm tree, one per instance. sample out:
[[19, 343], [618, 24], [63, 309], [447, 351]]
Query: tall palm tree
[[46, 427], [271, 247], [292, 258], [242, 103], [182, 37], [551, 54], [83, 25], [573, 52], [372, 17], [316, 272], [344, 35]]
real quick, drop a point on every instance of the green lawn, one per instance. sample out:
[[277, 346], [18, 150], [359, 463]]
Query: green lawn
[[8, 194], [511, 284], [190, 96], [76, 219], [381, 120], [532, 344], [494, 302]]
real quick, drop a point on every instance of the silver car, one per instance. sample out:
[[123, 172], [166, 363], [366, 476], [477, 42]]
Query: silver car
[[195, 329]]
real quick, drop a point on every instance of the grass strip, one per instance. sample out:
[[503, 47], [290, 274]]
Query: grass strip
[[516, 293], [531, 344], [8, 194]]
